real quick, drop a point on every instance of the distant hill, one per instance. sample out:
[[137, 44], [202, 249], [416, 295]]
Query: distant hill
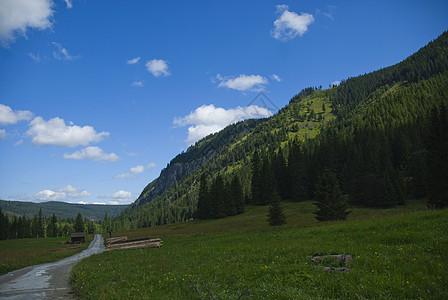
[[62, 210]]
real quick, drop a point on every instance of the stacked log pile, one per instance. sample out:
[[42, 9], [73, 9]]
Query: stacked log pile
[[124, 243]]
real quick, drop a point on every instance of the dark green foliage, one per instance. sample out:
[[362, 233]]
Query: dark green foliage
[[437, 146], [52, 229], [79, 224], [329, 199], [204, 203], [276, 215]]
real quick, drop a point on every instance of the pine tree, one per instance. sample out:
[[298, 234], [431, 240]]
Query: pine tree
[[41, 225], [52, 229], [79, 223], [106, 225], [218, 198], [204, 205], [236, 196], [329, 199], [437, 146], [276, 215], [256, 183]]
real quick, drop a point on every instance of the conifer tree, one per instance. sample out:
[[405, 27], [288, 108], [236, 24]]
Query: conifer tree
[[204, 205], [256, 183], [329, 199], [276, 215], [79, 223]]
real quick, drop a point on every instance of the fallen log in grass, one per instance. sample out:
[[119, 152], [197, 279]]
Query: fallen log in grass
[[136, 244]]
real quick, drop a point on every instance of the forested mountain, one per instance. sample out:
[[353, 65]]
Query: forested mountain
[[62, 210], [384, 135]]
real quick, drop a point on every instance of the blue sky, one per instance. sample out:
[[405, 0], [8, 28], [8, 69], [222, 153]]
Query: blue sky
[[96, 97]]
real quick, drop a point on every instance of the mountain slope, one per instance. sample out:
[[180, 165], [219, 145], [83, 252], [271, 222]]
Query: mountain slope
[[372, 130]]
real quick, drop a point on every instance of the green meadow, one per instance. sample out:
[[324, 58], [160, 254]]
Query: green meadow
[[397, 253], [20, 253]]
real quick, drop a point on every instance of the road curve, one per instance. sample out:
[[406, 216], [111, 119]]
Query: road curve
[[46, 281]]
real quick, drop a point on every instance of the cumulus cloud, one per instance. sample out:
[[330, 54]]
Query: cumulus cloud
[[9, 116], [56, 133], [92, 153], [133, 61], [17, 16], [243, 82], [136, 170], [2, 133], [158, 67], [62, 53], [290, 24], [137, 83], [122, 196], [114, 202], [209, 119], [19, 142], [61, 194], [335, 83]]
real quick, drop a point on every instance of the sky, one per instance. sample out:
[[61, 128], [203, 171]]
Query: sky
[[96, 97]]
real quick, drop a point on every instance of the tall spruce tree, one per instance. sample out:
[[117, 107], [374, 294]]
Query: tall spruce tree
[[204, 205], [79, 223], [276, 215], [437, 146], [256, 183], [329, 199]]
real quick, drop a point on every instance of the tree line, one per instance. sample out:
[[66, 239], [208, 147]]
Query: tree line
[[39, 226]]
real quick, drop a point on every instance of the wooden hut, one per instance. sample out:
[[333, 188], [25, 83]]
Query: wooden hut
[[78, 237]]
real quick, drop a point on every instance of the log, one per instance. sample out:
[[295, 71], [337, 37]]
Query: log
[[114, 240], [137, 242], [136, 246]]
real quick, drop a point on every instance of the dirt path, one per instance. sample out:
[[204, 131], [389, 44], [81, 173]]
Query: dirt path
[[46, 281]]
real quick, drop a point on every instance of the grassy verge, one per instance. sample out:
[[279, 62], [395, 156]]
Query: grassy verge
[[16, 254], [399, 257]]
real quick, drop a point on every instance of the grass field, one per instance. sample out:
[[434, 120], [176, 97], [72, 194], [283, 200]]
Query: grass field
[[16, 254], [403, 254]]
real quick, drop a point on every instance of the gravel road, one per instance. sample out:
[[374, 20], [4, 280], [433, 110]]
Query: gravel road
[[46, 281]]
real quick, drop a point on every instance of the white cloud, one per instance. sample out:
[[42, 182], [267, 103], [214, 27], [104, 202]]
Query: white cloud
[[19, 142], [158, 67], [335, 83], [133, 61], [69, 3], [114, 202], [290, 24], [209, 119], [48, 195], [2, 133], [137, 83], [61, 194], [9, 116], [92, 153], [56, 133], [16, 16], [62, 53], [99, 203], [35, 57], [276, 77], [243, 82], [72, 192], [136, 170], [122, 196]]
